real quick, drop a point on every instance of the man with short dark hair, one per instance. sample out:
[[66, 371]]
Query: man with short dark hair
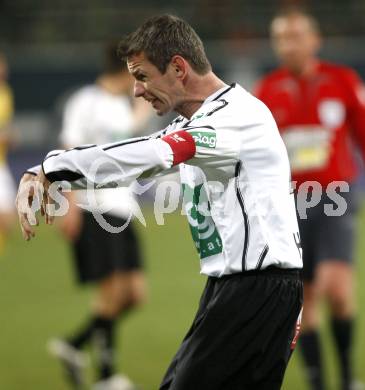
[[320, 109], [235, 177]]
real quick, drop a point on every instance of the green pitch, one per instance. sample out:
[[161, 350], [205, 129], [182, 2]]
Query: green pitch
[[40, 299]]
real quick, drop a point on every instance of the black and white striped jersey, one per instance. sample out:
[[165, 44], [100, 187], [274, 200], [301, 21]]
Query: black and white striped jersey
[[234, 172]]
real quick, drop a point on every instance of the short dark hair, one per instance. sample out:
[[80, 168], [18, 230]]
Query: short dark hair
[[162, 37], [112, 61]]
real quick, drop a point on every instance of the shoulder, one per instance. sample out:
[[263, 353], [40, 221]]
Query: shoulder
[[222, 107], [331, 67], [270, 81], [272, 77], [342, 73], [245, 103], [224, 103], [234, 110]]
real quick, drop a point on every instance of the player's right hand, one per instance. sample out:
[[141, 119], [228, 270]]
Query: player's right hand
[[28, 191], [33, 194]]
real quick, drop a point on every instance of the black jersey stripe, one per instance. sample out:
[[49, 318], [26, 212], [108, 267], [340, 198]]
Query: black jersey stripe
[[53, 155], [162, 133], [224, 92], [198, 127], [63, 175], [127, 142], [177, 120], [262, 257], [30, 173], [224, 104], [69, 175], [82, 147], [298, 244], [244, 213]]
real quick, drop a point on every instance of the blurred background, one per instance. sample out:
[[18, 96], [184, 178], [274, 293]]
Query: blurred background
[[53, 47]]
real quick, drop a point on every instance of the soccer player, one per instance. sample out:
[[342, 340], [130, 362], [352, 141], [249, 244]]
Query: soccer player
[[7, 187], [102, 113], [320, 109], [239, 203]]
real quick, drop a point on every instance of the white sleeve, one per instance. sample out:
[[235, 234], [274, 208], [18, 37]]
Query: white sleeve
[[34, 170], [111, 165]]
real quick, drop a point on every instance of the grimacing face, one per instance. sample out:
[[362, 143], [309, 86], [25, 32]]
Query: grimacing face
[[294, 40], [163, 91]]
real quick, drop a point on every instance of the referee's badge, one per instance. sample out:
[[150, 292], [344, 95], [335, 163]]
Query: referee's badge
[[332, 113]]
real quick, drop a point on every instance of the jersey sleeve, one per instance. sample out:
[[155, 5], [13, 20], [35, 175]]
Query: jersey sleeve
[[356, 109], [34, 170], [117, 164], [220, 134]]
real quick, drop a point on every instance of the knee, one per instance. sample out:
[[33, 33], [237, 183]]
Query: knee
[[107, 305], [132, 295], [341, 300], [137, 288], [339, 293], [120, 293], [136, 295], [337, 283]]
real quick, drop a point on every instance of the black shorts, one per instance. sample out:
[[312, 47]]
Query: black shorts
[[242, 335], [98, 253], [327, 237]]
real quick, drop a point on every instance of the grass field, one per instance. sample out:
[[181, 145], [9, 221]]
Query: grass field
[[39, 299]]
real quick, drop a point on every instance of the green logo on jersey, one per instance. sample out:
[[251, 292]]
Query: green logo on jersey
[[206, 139], [198, 116], [202, 226]]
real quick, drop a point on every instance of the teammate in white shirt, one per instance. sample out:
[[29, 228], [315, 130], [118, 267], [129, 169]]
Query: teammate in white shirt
[[236, 180], [96, 114]]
